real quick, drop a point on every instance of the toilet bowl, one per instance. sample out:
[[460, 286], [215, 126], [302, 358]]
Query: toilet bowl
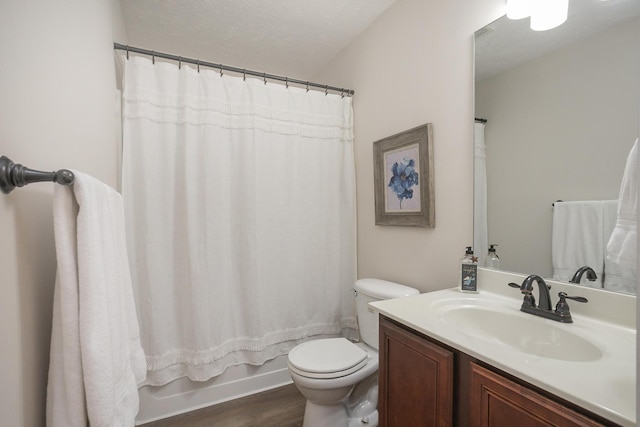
[[339, 378]]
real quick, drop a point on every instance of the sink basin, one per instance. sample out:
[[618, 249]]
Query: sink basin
[[524, 333]]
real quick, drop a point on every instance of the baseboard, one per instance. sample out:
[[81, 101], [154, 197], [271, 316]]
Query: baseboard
[[184, 395]]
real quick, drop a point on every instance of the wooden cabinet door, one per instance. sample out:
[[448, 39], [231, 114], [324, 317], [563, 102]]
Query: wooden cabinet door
[[496, 401], [416, 380]]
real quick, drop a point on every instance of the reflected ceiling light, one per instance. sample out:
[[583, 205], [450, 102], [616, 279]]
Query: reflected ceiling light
[[545, 14], [548, 14], [518, 9]]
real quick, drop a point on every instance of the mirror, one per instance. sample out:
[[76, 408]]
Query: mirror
[[562, 109]]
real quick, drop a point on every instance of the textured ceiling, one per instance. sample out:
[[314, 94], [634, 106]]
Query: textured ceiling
[[288, 37]]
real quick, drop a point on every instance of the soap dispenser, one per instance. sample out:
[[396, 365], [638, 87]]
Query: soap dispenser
[[469, 272], [492, 260]]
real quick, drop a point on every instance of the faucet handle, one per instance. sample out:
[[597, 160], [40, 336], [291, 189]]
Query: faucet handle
[[515, 285], [529, 300], [564, 295], [562, 308]]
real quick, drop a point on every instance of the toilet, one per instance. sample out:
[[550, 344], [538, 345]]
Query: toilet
[[339, 378]]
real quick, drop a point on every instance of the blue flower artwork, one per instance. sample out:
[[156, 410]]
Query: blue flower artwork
[[404, 177], [402, 174]]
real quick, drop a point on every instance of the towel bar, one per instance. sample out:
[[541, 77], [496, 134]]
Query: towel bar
[[15, 175]]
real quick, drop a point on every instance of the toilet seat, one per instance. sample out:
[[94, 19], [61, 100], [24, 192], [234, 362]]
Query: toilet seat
[[327, 358]]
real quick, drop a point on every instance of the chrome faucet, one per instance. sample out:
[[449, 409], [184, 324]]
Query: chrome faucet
[[543, 309], [577, 276]]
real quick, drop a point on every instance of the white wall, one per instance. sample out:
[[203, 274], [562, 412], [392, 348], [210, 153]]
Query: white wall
[[413, 66], [559, 127], [57, 110]]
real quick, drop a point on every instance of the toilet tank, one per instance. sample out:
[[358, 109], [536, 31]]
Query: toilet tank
[[369, 290]]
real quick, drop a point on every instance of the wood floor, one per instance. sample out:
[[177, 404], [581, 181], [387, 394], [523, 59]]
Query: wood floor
[[280, 407]]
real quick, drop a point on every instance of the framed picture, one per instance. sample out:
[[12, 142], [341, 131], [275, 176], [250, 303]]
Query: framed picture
[[403, 178]]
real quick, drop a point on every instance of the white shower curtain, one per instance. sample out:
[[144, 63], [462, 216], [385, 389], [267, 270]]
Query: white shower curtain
[[480, 232], [240, 204]]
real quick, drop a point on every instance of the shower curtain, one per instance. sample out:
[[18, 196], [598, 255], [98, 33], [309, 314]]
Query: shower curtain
[[240, 209], [480, 232]]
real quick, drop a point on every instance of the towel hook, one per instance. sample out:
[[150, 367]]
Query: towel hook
[[15, 175]]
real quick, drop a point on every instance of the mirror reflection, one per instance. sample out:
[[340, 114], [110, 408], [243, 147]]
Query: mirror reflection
[[562, 115]]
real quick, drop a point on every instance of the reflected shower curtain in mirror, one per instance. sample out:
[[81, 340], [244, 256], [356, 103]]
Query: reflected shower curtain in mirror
[[240, 207], [480, 232]]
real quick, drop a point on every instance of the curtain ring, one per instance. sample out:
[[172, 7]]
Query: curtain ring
[[342, 93], [264, 77], [153, 56], [326, 90], [244, 74], [127, 51], [179, 62], [286, 82], [307, 86], [220, 70], [198, 64]]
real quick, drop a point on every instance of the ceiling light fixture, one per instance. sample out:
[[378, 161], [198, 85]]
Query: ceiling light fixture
[[545, 14]]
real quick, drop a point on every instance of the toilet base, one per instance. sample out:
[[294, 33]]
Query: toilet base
[[325, 415], [370, 420], [335, 416]]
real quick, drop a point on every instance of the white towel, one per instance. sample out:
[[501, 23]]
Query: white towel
[[96, 359], [622, 246], [580, 233]]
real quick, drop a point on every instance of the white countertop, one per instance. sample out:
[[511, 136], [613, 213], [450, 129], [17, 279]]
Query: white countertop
[[605, 386]]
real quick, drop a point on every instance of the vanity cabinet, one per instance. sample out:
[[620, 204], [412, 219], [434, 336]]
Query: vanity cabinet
[[498, 401], [407, 363], [425, 383]]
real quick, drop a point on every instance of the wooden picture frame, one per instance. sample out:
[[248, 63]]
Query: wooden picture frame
[[403, 178]]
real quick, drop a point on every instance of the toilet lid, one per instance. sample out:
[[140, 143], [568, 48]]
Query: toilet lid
[[327, 358]]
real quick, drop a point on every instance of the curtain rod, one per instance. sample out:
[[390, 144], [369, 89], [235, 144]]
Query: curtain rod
[[478, 120], [222, 67]]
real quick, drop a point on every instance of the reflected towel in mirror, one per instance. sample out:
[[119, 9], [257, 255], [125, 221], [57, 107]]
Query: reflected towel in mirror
[[622, 246], [581, 230]]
